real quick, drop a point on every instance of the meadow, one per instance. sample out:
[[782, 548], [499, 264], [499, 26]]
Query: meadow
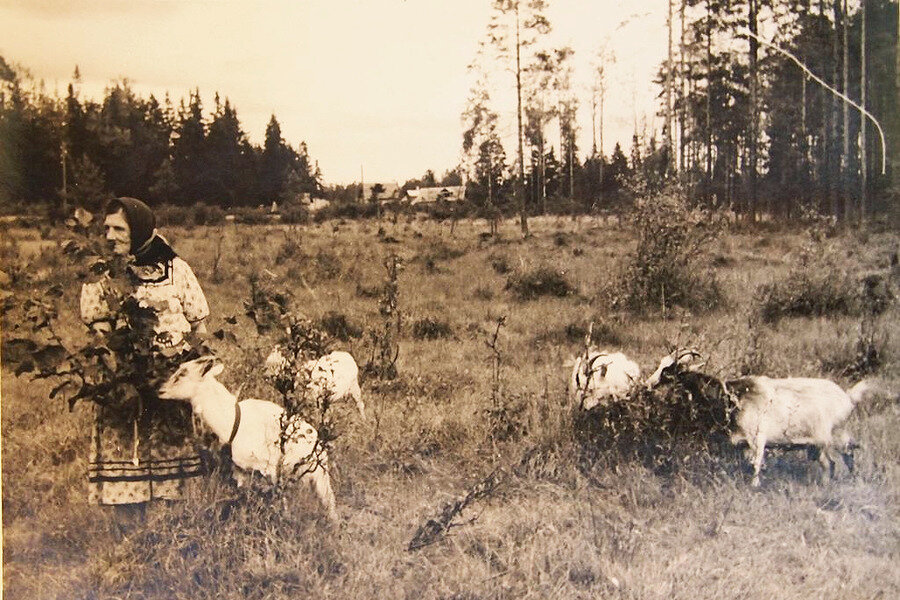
[[480, 390]]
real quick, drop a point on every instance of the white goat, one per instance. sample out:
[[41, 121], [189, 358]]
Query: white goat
[[336, 373], [793, 411], [598, 375], [788, 412], [253, 429]]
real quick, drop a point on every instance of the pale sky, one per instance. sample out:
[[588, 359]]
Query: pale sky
[[377, 84]]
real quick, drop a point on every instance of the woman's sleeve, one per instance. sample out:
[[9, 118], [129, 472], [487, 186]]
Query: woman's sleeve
[[93, 306], [193, 301]]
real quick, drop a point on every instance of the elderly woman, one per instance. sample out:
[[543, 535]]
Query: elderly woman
[[142, 450]]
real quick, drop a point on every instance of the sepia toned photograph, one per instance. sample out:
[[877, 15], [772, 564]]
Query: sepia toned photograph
[[450, 299]]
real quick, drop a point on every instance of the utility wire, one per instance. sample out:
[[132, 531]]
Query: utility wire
[[748, 33]]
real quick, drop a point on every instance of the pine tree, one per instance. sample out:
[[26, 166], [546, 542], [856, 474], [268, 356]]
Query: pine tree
[[189, 151], [229, 157], [514, 27], [274, 163]]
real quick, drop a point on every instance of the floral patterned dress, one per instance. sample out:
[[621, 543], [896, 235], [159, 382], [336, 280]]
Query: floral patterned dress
[[146, 452]]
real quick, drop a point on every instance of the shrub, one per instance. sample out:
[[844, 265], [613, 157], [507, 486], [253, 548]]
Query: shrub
[[808, 293], [662, 272], [820, 286], [500, 264], [346, 210], [666, 429], [542, 281], [248, 215], [168, 215], [188, 216], [430, 328], [322, 266], [337, 326], [483, 293], [441, 211], [325, 265], [291, 249], [574, 333], [294, 214], [442, 251], [205, 214]]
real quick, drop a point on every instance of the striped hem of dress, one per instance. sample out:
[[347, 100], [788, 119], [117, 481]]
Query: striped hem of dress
[[160, 470]]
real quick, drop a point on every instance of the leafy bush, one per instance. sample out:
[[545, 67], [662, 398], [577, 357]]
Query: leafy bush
[[249, 215], [337, 326], [441, 211], [500, 264], [325, 265], [808, 293], [666, 429], [819, 285], [442, 251], [121, 365], [266, 306], [574, 333], [483, 293], [199, 214], [322, 266], [662, 273], [385, 338], [291, 249], [205, 214], [542, 281], [346, 210], [430, 328], [294, 214], [168, 215]]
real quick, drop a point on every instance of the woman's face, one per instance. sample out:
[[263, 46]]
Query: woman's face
[[118, 233]]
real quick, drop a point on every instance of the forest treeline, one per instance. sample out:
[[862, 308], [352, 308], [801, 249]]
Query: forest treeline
[[74, 151], [744, 127]]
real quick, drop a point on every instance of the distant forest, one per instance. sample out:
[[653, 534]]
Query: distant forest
[[79, 152], [744, 127]]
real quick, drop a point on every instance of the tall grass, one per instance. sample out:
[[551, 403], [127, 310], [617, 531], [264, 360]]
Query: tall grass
[[568, 520]]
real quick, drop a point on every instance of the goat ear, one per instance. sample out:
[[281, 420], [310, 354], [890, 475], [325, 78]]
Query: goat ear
[[696, 368], [207, 364], [214, 370]]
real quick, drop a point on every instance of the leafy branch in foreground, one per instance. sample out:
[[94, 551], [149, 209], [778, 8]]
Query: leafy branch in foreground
[[298, 347], [117, 365], [385, 343]]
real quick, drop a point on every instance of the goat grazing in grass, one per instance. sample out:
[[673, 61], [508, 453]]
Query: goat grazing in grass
[[792, 412], [598, 376], [253, 429], [335, 373]]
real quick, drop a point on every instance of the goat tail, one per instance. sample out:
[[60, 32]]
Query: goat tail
[[862, 391]]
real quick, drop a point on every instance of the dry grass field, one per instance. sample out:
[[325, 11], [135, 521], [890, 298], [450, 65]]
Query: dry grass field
[[566, 520]]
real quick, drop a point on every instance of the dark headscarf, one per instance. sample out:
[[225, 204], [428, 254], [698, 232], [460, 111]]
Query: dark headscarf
[[147, 246]]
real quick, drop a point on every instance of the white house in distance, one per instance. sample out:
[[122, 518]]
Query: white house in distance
[[447, 193]]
